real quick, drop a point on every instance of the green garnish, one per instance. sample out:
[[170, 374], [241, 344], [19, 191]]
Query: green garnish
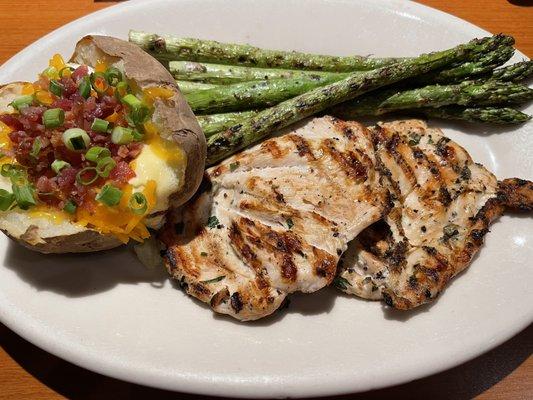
[[100, 125], [56, 88], [341, 283], [113, 76], [6, 200], [85, 87], [139, 114], [214, 280], [58, 165], [53, 118], [290, 223], [121, 135], [203, 254], [96, 153], [62, 71], [233, 166], [121, 90], [22, 101], [105, 166], [13, 172], [83, 180], [414, 139], [23, 195], [212, 222], [138, 135], [99, 82], [70, 207], [131, 101], [76, 139], [36, 148], [138, 204], [109, 195], [50, 72]]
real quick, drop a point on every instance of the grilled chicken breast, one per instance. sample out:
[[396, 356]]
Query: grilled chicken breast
[[276, 218], [441, 204]]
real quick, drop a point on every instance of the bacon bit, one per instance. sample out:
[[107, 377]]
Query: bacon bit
[[123, 151], [45, 185], [122, 173], [11, 121], [62, 103], [79, 73]]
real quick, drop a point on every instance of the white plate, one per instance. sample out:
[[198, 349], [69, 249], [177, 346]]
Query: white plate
[[106, 313]]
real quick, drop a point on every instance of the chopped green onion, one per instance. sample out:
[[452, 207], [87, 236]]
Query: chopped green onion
[[36, 148], [131, 101], [113, 76], [53, 118], [100, 125], [76, 139], [14, 172], [62, 71], [50, 72], [87, 181], [99, 82], [96, 153], [6, 200], [23, 196], [58, 165], [56, 88], [138, 135], [121, 90], [22, 101], [85, 87], [138, 204], [139, 114], [121, 135], [109, 195], [70, 207], [105, 166]]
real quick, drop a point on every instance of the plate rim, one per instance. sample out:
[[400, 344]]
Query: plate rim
[[202, 386]]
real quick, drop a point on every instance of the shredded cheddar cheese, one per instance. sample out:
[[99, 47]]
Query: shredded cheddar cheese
[[119, 221], [100, 66], [57, 62], [28, 88]]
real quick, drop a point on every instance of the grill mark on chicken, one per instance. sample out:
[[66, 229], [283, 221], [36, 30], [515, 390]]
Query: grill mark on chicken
[[273, 148], [348, 161], [451, 231], [302, 146]]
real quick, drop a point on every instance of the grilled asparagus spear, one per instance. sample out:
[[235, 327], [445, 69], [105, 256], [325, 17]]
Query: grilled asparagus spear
[[491, 115], [169, 48], [192, 87], [466, 94], [228, 74], [214, 123], [514, 73], [265, 122], [254, 94]]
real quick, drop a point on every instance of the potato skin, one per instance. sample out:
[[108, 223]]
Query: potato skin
[[87, 241], [175, 114]]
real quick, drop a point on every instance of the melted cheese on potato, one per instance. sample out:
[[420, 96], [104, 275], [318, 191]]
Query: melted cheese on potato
[[165, 171]]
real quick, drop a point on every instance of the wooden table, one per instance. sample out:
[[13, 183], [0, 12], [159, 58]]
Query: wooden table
[[28, 372]]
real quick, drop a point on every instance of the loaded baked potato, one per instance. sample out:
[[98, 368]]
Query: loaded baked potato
[[96, 150]]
